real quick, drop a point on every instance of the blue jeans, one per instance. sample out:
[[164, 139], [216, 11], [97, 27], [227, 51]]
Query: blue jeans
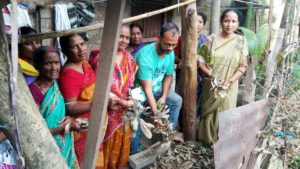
[[174, 101]]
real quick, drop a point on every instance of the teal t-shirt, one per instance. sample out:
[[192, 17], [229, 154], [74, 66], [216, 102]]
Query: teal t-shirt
[[152, 67]]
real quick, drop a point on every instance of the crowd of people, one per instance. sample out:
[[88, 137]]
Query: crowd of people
[[64, 93]]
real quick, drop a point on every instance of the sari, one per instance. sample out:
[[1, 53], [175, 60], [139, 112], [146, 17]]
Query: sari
[[224, 60], [117, 138], [29, 72], [140, 46], [52, 108], [81, 86]]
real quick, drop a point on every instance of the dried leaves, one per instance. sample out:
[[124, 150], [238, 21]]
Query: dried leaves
[[186, 155]]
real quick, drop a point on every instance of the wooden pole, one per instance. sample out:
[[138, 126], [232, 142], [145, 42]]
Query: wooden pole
[[111, 35], [189, 69], [215, 15], [49, 35]]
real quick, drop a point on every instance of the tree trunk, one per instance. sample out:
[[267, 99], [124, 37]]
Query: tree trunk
[[189, 68], [38, 145], [250, 81], [215, 15], [269, 68]]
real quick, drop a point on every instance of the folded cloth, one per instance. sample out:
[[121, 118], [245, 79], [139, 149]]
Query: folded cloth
[[86, 11], [27, 68], [73, 16], [81, 13], [23, 16]]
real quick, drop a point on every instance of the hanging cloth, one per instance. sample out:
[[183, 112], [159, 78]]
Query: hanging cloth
[[62, 22]]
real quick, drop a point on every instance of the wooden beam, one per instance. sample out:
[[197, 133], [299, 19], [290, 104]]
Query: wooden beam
[[189, 69], [49, 35], [111, 35]]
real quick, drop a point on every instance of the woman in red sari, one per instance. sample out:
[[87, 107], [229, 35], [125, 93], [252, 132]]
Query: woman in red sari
[[77, 82], [117, 138]]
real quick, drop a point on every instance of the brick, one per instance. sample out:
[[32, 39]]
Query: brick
[[149, 155]]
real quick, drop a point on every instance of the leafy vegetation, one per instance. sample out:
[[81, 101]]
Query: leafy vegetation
[[256, 41], [295, 77]]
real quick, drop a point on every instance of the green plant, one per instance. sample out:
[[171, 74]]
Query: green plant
[[256, 41], [296, 73], [295, 163]]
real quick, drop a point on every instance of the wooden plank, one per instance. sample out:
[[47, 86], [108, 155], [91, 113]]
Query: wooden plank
[[111, 34], [50, 35], [238, 129], [189, 69]]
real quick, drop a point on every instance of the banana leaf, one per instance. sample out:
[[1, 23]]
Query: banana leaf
[[262, 39], [251, 39], [256, 42]]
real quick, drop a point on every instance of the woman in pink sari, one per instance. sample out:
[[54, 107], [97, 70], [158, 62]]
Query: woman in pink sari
[[117, 138]]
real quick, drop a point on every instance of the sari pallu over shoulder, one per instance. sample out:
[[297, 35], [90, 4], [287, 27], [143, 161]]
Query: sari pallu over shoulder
[[81, 86], [52, 109]]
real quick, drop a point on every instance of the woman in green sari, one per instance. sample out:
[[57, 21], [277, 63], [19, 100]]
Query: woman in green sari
[[47, 96], [223, 60]]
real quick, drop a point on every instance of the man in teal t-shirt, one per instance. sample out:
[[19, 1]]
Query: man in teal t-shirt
[[153, 67], [155, 70]]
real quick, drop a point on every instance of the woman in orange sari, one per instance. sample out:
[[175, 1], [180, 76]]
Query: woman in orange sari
[[77, 82], [117, 138]]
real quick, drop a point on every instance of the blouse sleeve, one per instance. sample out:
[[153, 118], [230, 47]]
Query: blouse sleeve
[[70, 83], [37, 94]]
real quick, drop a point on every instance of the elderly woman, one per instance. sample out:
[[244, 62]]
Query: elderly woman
[[224, 62], [117, 138], [47, 96]]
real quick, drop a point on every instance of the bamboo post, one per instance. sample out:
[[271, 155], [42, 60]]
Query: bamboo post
[[189, 69], [215, 15], [49, 35], [111, 35], [269, 77]]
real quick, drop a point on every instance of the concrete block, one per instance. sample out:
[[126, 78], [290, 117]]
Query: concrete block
[[149, 155]]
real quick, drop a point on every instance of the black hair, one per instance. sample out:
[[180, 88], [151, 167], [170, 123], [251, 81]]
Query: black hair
[[135, 25], [64, 42], [38, 56], [168, 26], [238, 13], [204, 17], [27, 30]]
